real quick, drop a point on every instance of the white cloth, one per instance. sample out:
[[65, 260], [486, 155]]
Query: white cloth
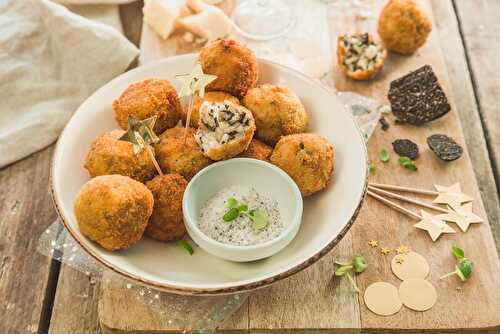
[[51, 60]]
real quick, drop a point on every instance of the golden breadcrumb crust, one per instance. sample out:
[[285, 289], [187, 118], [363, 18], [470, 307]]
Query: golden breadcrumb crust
[[277, 111], [308, 159], [233, 63], [176, 156], [147, 98], [403, 26], [108, 155], [167, 222], [113, 210], [257, 150]]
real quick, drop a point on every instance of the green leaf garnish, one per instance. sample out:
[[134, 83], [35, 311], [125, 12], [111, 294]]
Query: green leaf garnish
[[232, 202], [463, 269], [457, 252], [184, 244], [342, 270], [232, 214], [372, 169], [384, 155], [259, 219], [243, 208], [407, 163], [357, 265]]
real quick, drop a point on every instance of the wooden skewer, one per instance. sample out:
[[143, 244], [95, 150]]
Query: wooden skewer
[[406, 199], [404, 189], [188, 118], [395, 206]]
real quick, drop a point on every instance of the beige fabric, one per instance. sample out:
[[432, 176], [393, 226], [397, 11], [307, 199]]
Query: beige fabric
[[50, 61]]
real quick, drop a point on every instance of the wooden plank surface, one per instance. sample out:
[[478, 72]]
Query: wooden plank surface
[[26, 285], [276, 307], [26, 277], [480, 27], [392, 229]]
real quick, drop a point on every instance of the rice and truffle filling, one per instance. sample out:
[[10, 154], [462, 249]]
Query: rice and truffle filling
[[225, 129], [360, 56]]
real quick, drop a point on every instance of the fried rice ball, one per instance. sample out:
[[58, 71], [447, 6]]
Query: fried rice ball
[[175, 156], [308, 159], [167, 222], [233, 63], [277, 111], [225, 129], [108, 155], [403, 26], [257, 150], [210, 97], [113, 210], [148, 98]]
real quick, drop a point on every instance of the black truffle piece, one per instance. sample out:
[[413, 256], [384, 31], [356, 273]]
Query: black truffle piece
[[444, 147], [383, 123], [417, 97], [405, 148]]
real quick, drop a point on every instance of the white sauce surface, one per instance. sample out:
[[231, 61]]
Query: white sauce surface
[[239, 231]]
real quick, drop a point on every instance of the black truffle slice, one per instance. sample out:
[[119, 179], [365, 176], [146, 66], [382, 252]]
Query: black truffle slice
[[444, 147], [417, 97], [405, 148]]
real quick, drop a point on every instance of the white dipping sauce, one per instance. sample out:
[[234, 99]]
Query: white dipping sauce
[[239, 231]]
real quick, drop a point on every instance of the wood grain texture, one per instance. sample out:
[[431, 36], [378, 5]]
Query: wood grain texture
[[25, 212], [299, 304], [392, 229], [480, 26], [75, 303]]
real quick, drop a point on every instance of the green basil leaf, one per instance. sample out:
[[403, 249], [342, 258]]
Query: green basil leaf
[[359, 263], [232, 214], [243, 208], [341, 271], [232, 202], [464, 269], [184, 244], [384, 155], [259, 219], [372, 169], [457, 252]]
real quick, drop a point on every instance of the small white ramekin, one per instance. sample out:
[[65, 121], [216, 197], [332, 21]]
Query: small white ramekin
[[266, 179]]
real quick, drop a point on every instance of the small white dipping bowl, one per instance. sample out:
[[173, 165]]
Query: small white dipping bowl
[[267, 180]]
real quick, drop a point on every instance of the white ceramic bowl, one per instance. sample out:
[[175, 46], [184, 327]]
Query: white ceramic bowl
[[267, 180], [326, 217]]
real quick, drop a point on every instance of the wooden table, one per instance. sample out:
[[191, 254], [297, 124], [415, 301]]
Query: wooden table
[[38, 295]]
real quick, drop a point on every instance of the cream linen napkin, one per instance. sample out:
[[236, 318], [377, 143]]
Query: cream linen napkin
[[50, 61]]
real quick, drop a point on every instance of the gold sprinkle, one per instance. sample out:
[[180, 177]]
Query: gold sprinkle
[[402, 249], [373, 243], [399, 259], [385, 250]]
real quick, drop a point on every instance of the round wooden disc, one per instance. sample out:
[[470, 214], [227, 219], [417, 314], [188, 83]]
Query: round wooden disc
[[382, 298], [417, 294], [414, 265]]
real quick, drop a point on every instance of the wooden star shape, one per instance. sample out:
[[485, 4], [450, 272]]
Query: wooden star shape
[[140, 133], [451, 195], [461, 215], [373, 243], [399, 259], [385, 250], [402, 249], [195, 82], [434, 226]]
